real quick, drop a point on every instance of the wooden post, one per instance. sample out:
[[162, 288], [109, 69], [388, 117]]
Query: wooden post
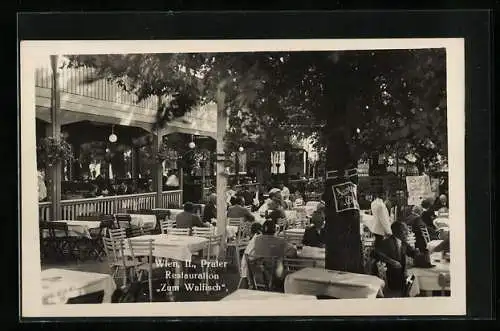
[[158, 177], [221, 179], [56, 169]]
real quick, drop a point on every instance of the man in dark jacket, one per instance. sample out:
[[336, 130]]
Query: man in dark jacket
[[187, 218], [314, 236], [393, 251]]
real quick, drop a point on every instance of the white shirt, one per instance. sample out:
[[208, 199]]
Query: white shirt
[[382, 221], [172, 181], [42, 189]]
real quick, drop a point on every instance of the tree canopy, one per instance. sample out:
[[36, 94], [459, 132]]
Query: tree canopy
[[383, 100]]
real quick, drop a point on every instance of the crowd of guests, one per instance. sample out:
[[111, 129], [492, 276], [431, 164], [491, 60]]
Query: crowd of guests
[[391, 238]]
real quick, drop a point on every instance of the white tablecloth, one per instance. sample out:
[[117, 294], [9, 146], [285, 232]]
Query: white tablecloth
[[426, 279], [144, 221], [341, 285], [295, 231], [441, 222], [431, 245], [77, 228], [59, 285], [174, 247], [264, 295]]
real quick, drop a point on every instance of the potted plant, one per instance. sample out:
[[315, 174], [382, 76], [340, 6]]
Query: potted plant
[[51, 150]]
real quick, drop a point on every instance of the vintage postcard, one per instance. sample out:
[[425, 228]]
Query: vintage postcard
[[240, 177]]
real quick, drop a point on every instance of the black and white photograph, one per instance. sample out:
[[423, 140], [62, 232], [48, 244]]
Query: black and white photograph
[[223, 174]]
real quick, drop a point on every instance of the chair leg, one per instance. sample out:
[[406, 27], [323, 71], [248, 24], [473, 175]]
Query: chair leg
[[150, 287]]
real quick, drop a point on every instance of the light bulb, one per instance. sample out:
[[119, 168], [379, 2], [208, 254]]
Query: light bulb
[[192, 145], [241, 149], [113, 138]]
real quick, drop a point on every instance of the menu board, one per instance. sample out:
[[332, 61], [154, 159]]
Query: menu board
[[345, 197], [419, 188]]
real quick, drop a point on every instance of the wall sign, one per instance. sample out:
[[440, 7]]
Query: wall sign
[[419, 188], [345, 197]]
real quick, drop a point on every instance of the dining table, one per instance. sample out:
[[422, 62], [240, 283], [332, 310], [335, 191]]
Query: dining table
[[80, 229], [61, 285], [333, 283], [427, 279], [244, 294]]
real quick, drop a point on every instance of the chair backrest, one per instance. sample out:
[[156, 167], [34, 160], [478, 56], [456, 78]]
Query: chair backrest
[[214, 246], [139, 248], [134, 231], [262, 271], [235, 221], [95, 297], [116, 234], [293, 264], [204, 232], [114, 248], [123, 220], [166, 224], [293, 238], [179, 232], [425, 233]]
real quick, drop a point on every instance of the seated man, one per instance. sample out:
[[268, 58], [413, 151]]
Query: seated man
[[188, 219], [268, 244], [314, 236], [393, 251], [237, 210]]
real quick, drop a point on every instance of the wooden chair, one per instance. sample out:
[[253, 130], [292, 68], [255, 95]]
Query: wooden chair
[[143, 249], [240, 242], [123, 221], [262, 272], [179, 232], [114, 247], [166, 224], [212, 253], [293, 238], [57, 240], [96, 243], [203, 232], [425, 233]]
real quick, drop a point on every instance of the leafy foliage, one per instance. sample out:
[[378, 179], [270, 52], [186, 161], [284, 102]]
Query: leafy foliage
[[51, 150]]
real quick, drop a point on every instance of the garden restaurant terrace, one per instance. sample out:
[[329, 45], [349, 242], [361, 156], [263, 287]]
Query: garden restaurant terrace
[[110, 134]]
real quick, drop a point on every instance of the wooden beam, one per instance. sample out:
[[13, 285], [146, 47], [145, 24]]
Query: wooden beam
[[56, 170], [221, 178], [157, 141]]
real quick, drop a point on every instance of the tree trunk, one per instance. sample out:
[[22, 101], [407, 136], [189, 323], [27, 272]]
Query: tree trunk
[[343, 239]]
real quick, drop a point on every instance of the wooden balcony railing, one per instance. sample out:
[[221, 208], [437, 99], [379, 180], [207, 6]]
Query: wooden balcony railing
[[71, 209]]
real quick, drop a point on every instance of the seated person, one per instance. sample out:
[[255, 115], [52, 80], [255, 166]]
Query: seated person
[[414, 220], [275, 212], [188, 219], [238, 211], [428, 217], [265, 206], [393, 250], [314, 236], [210, 211], [268, 244]]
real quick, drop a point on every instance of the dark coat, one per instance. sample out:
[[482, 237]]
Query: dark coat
[[313, 238]]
